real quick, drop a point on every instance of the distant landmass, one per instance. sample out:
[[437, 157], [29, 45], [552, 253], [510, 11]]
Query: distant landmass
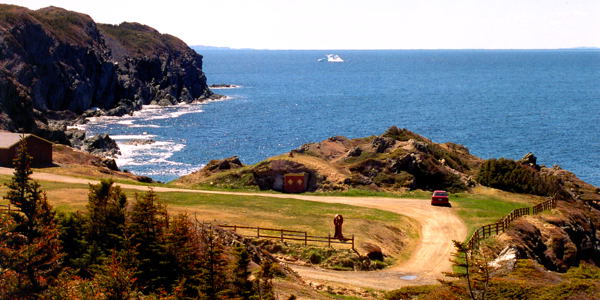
[[202, 47]]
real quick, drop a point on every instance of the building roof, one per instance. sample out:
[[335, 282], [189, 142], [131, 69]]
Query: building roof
[[9, 139]]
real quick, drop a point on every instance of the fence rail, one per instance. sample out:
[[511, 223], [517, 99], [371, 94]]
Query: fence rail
[[293, 235], [488, 230], [6, 208]]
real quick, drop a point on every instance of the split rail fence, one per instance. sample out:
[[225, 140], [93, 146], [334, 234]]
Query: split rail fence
[[486, 231], [284, 234], [6, 208]]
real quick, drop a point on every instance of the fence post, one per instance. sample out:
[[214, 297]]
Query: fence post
[[353, 242], [234, 228], [305, 238], [282, 235], [257, 232], [329, 240]]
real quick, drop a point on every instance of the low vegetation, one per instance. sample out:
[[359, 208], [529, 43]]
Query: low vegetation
[[329, 258], [515, 177]]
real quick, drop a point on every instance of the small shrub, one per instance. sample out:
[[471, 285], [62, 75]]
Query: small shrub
[[315, 258]]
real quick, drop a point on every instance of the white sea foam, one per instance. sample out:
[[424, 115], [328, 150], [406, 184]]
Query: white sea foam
[[144, 126], [234, 86], [125, 122], [77, 126], [148, 154], [132, 136]]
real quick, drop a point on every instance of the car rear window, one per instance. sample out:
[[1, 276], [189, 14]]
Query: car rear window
[[441, 194]]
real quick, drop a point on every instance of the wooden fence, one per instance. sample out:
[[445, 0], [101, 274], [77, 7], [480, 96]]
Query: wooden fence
[[502, 224], [6, 208], [293, 235]]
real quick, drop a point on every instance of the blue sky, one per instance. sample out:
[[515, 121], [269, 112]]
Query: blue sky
[[351, 24]]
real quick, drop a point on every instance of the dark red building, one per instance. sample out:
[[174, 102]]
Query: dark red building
[[39, 148]]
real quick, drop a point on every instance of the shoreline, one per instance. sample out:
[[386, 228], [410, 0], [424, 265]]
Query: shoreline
[[151, 148]]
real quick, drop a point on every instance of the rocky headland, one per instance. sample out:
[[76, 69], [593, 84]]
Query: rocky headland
[[396, 160], [58, 67]]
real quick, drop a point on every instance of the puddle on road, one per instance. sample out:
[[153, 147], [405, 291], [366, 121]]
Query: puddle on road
[[409, 277]]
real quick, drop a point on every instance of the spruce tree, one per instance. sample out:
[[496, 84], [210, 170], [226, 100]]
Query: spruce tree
[[105, 224], [184, 246], [147, 225], [241, 286], [29, 244], [214, 266]]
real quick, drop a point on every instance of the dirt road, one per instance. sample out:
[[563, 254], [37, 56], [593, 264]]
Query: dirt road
[[439, 226]]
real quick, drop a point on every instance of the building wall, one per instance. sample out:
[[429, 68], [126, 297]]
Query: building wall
[[39, 149], [6, 156]]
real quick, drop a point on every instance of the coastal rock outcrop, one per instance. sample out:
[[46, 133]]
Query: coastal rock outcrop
[[568, 235], [397, 160], [101, 145], [60, 65]]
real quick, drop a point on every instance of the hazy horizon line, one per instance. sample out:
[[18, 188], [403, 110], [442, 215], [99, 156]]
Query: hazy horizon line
[[391, 49]]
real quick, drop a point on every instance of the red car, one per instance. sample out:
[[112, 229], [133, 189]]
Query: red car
[[440, 198]]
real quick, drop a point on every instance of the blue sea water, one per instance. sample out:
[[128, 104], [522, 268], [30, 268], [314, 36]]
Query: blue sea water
[[501, 103]]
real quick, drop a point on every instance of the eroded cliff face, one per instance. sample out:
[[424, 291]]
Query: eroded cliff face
[[565, 236], [57, 64]]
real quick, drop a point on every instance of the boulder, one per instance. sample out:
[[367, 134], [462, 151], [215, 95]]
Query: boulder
[[101, 145], [223, 164], [356, 151], [110, 163], [530, 160], [381, 143]]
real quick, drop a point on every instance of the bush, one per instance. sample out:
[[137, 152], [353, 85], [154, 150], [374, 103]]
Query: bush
[[315, 258], [514, 177]]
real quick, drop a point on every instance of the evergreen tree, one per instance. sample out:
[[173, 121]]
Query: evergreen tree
[[214, 266], [184, 246], [114, 280], [29, 246], [105, 224], [241, 286], [147, 226], [72, 236]]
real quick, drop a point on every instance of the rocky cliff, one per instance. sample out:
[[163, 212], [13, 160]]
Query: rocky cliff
[[565, 236], [57, 64]]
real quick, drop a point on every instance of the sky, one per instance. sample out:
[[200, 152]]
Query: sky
[[357, 24]]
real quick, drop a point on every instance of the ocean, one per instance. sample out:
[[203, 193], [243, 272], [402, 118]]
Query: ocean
[[498, 103]]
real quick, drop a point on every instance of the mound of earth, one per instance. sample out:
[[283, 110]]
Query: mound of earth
[[70, 161], [398, 159]]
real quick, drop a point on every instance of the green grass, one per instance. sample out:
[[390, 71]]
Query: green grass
[[477, 210], [314, 217], [290, 213]]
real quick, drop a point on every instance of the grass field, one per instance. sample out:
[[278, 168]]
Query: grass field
[[478, 207], [369, 225], [485, 205]]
